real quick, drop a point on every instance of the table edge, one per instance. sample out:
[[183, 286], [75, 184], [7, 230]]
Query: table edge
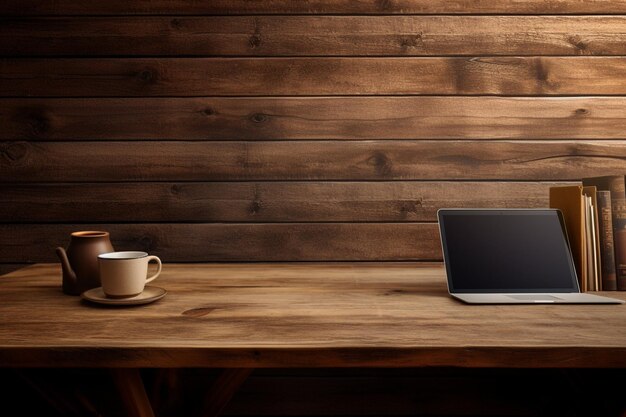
[[246, 357]]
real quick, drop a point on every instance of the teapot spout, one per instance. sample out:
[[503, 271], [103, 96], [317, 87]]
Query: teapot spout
[[69, 276]]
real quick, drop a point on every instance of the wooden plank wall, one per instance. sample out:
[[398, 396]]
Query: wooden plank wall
[[282, 130], [239, 130]]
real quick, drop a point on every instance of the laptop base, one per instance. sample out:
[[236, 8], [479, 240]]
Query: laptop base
[[535, 298]]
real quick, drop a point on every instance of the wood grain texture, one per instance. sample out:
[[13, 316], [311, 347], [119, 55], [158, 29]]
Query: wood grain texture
[[314, 35], [311, 315], [143, 77], [384, 201], [235, 7], [211, 118], [27, 162], [201, 242]]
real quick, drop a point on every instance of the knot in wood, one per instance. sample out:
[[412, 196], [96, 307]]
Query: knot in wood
[[410, 206], [254, 41], [208, 111], [382, 164], [147, 76], [258, 117], [411, 41], [13, 151], [39, 125], [578, 42], [198, 312], [255, 207], [393, 292], [34, 119], [581, 112], [176, 23], [176, 189]]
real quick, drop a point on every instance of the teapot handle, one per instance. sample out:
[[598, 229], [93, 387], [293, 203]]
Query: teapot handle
[[65, 264]]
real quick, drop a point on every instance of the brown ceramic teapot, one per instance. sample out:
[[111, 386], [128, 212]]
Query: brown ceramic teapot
[[80, 261]]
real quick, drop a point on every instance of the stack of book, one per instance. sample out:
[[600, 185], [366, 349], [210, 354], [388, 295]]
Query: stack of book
[[595, 219]]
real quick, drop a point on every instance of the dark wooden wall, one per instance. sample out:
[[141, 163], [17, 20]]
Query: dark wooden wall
[[239, 130]]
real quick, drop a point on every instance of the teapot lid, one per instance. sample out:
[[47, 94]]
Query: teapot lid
[[90, 233]]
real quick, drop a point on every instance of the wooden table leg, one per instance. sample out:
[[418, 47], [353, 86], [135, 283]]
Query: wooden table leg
[[132, 392], [223, 389]]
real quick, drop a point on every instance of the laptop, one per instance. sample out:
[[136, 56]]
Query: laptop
[[510, 256]]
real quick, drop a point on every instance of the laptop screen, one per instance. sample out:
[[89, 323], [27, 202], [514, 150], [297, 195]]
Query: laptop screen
[[509, 250]]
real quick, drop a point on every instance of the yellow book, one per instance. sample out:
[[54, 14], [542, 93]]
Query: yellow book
[[571, 201]]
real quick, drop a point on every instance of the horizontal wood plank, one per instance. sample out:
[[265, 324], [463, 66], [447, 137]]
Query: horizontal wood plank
[[313, 118], [315, 35], [135, 77], [308, 160], [234, 7], [393, 315], [235, 242], [259, 201]]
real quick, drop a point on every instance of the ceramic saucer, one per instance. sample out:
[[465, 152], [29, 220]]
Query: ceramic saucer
[[148, 295]]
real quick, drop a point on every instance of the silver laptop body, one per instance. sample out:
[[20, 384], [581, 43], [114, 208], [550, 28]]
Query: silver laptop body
[[510, 256]]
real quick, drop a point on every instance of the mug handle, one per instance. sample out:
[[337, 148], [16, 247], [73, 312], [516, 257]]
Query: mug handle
[[153, 277]]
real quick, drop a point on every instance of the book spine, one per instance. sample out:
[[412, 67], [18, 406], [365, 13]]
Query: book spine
[[617, 187], [607, 251], [620, 257]]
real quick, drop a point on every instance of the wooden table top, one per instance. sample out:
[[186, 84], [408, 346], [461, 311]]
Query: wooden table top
[[299, 315]]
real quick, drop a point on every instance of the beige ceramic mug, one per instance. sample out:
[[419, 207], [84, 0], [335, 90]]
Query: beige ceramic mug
[[124, 274]]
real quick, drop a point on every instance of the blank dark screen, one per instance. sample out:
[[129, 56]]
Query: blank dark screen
[[497, 252]]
